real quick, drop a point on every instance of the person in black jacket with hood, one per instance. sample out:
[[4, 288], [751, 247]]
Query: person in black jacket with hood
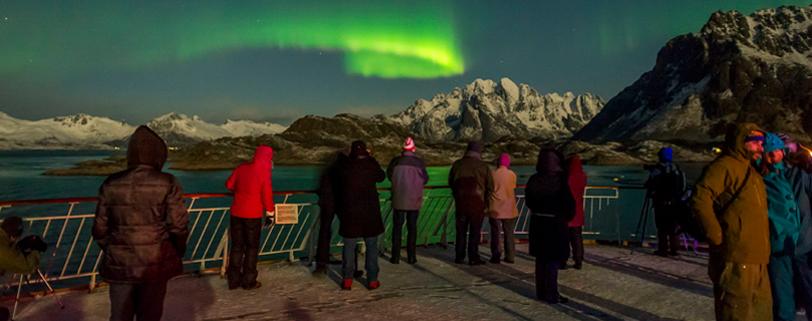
[[359, 210], [141, 224], [552, 206], [326, 213]]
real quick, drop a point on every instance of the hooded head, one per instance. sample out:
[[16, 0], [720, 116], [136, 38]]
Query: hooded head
[[504, 160], [13, 226], [737, 138], [549, 161], [263, 155], [358, 149], [474, 146], [146, 148], [409, 146], [665, 155]]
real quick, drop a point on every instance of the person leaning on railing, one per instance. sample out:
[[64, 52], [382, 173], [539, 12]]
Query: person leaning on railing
[[471, 184], [252, 185], [359, 210], [408, 175], [577, 181], [502, 212]]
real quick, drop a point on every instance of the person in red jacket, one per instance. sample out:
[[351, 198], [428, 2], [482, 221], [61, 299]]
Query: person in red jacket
[[576, 179], [253, 196]]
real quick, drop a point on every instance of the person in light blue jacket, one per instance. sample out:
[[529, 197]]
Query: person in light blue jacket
[[784, 227], [796, 163]]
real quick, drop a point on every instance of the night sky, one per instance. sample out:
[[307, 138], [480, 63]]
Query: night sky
[[280, 60]]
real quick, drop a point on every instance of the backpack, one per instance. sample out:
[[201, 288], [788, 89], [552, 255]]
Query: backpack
[[668, 187], [688, 221]]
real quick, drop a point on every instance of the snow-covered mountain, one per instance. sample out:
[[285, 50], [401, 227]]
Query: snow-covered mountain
[[737, 68], [240, 128], [77, 131], [180, 129], [489, 110], [83, 131]]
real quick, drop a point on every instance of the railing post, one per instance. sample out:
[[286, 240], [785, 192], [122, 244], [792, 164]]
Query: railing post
[[224, 266], [92, 282], [444, 236], [312, 245]]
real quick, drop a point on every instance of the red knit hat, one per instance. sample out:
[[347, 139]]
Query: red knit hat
[[408, 145]]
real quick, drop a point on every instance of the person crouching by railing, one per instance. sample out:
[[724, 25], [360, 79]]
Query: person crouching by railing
[[141, 225], [408, 175], [552, 207], [471, 183], [252, 185], [576, 179], [359, 211], [22, 258], [503, 213]]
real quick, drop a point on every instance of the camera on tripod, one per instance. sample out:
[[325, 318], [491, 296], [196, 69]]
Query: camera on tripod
[[31, 243]]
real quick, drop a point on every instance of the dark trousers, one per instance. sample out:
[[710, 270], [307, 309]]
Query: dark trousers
[[547, 281], [137, 301], [499, 226], [666, 222], [397, 233], [803, 283], [468, 233], [325, 236], [576, 240], [242, 262]]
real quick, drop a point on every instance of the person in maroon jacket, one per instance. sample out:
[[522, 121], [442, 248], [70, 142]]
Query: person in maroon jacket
[[576, 178], [253, 196]]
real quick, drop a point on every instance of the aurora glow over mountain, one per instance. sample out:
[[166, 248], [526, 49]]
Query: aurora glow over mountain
[[278, 60], [377, 41]]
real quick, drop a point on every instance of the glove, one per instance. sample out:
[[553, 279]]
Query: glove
[[269, 218], [179, 243], [31, 243]]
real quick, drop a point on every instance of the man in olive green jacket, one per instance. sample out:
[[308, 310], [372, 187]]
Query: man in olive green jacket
[[13, 260], [731, 205]]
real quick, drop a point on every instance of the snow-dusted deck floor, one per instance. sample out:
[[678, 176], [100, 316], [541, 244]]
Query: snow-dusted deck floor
[[615, 284]]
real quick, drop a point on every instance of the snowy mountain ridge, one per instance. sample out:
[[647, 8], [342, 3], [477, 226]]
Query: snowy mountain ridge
[[82, 131], [755, 68], [490, 110]]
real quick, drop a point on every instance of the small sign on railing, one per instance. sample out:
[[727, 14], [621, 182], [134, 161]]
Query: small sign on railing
[[287, 214]]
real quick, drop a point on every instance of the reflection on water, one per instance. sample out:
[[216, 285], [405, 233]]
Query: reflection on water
[[21, 176]]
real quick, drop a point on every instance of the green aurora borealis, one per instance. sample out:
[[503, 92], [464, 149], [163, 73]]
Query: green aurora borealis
[[278, 60], [378, 39]]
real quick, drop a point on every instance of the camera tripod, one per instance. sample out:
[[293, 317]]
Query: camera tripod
[[27, 279], [642, 222]]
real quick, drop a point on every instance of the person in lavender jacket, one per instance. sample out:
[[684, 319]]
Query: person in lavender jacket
[[408, 175]]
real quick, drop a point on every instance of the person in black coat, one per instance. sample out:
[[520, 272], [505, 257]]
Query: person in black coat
[[358, 207], [141, 224], [326, 213], [552, 206]]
